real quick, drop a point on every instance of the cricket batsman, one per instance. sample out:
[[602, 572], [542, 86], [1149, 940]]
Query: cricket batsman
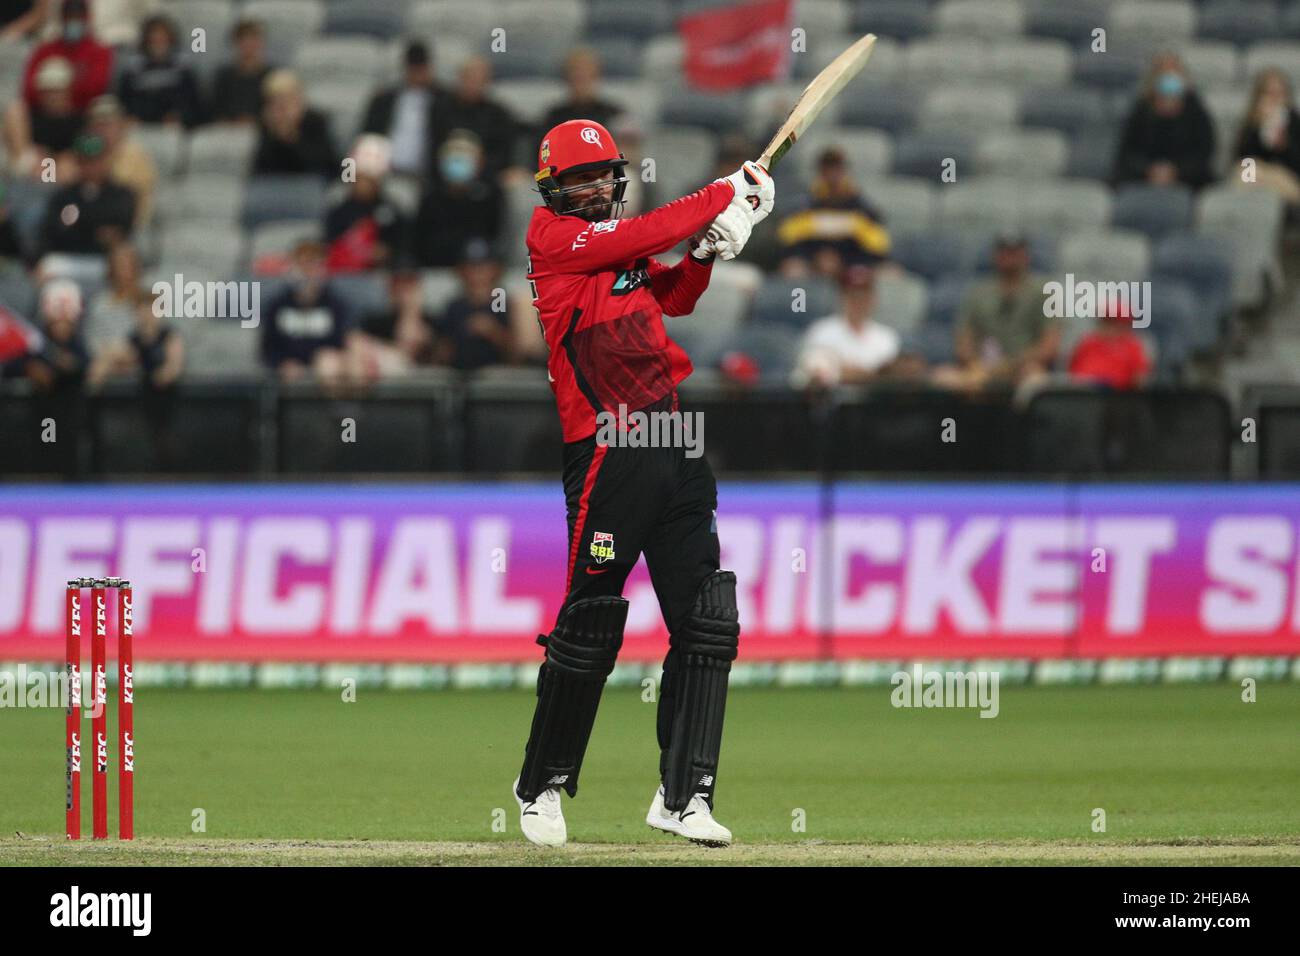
[[601, 296]]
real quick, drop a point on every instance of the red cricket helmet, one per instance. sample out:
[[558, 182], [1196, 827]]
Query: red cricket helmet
[[578, 146]]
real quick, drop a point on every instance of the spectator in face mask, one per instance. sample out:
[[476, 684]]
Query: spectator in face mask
[[1168, 137], [91, 61], [460, 205], [156, 87]]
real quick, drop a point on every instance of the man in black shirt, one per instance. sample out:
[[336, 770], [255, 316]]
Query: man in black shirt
[[237, 90], [405, 114], [93, 213], [464, 202], [475, 327]]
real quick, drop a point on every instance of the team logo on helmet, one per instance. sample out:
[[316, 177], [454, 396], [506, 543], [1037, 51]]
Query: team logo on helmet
[[590, 135], [546, 152]]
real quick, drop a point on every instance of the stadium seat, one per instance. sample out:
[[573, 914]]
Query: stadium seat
[[708, 333], [439, 287], [887, 64], [823, 17], [1239, 24], [1290, 20], [767, 106], [973, 109], [223, 150], [638, 20], [888, 107], [933, 255], [541, 62], [1248, 221], [319, 59], [18, 293], [206, 250], [870, 152], [907, 202], [1066, 108], [990, 19], [683, 159], [719, 112], [165, 146], [774, 346], [215, 17], [981, 203], [620, 57], [794, 302], [944, 303], [1202, 263], [663, 60], [278, 238], [343, 101], [1092, 152], [288, 24], [364, 292], [1070, 22], [946, 59], [1114, 70], [1152, 210], [220, 348], [1165, 21], [1051, 208], [900, 302], [381, 19], [1032, 153], [201, 196], [1030, 62], [283, 197], [556, 23], [1181, 323], [1212, 63], [637, 97], [900, 19], [530, 99], [924, 154], [1281, 53], [427, 19], [1112, 255]]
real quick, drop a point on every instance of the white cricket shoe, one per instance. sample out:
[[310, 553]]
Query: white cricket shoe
[[695, 822], [542, 820]]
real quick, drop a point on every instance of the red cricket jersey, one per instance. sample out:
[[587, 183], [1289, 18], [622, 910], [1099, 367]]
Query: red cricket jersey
[[601, 299]]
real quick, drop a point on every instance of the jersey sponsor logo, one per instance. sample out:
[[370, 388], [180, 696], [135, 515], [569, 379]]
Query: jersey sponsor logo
[[597, 570], [607, 225], [629, 280], [602, 546]]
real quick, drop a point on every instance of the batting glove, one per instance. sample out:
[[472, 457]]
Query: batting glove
[[730, 231], [755, 190]]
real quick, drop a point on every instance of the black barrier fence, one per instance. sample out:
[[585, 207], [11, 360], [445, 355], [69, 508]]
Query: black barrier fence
[[447, 425]]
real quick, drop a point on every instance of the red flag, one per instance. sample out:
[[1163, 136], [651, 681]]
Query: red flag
[[17, 336], [737, 46]]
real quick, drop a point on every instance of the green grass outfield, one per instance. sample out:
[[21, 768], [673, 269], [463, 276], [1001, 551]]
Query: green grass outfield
[[1187, 774]]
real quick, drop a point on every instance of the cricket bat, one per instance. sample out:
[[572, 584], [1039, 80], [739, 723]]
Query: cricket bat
[[812, 101], [825, 86]]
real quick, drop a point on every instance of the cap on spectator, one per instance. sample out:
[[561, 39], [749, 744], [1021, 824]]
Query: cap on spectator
[[89, 145], [1010, 239], [417, 54], [477, 250], [105, 107], [372, 154], [54, 74], [61, 297]]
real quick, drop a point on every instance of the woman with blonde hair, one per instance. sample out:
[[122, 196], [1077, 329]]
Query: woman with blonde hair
[[1270, 135]]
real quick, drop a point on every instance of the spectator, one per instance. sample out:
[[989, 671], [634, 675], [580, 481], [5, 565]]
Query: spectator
[[91, 61], [59, 367], [640, 195], [151, 347], [849, 347], [129, 163], [294, 138], [237, 89], [365, 230], [405, 113], [155, 86], [468, 107], [112, 310], [311, 330], [49, 128], [832, 224], [403, 330], [1004, 338], [475, 327], [1271, 135], [91, 215], [582, 74], [1112, 355], [460, 206], [1168, 137]]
